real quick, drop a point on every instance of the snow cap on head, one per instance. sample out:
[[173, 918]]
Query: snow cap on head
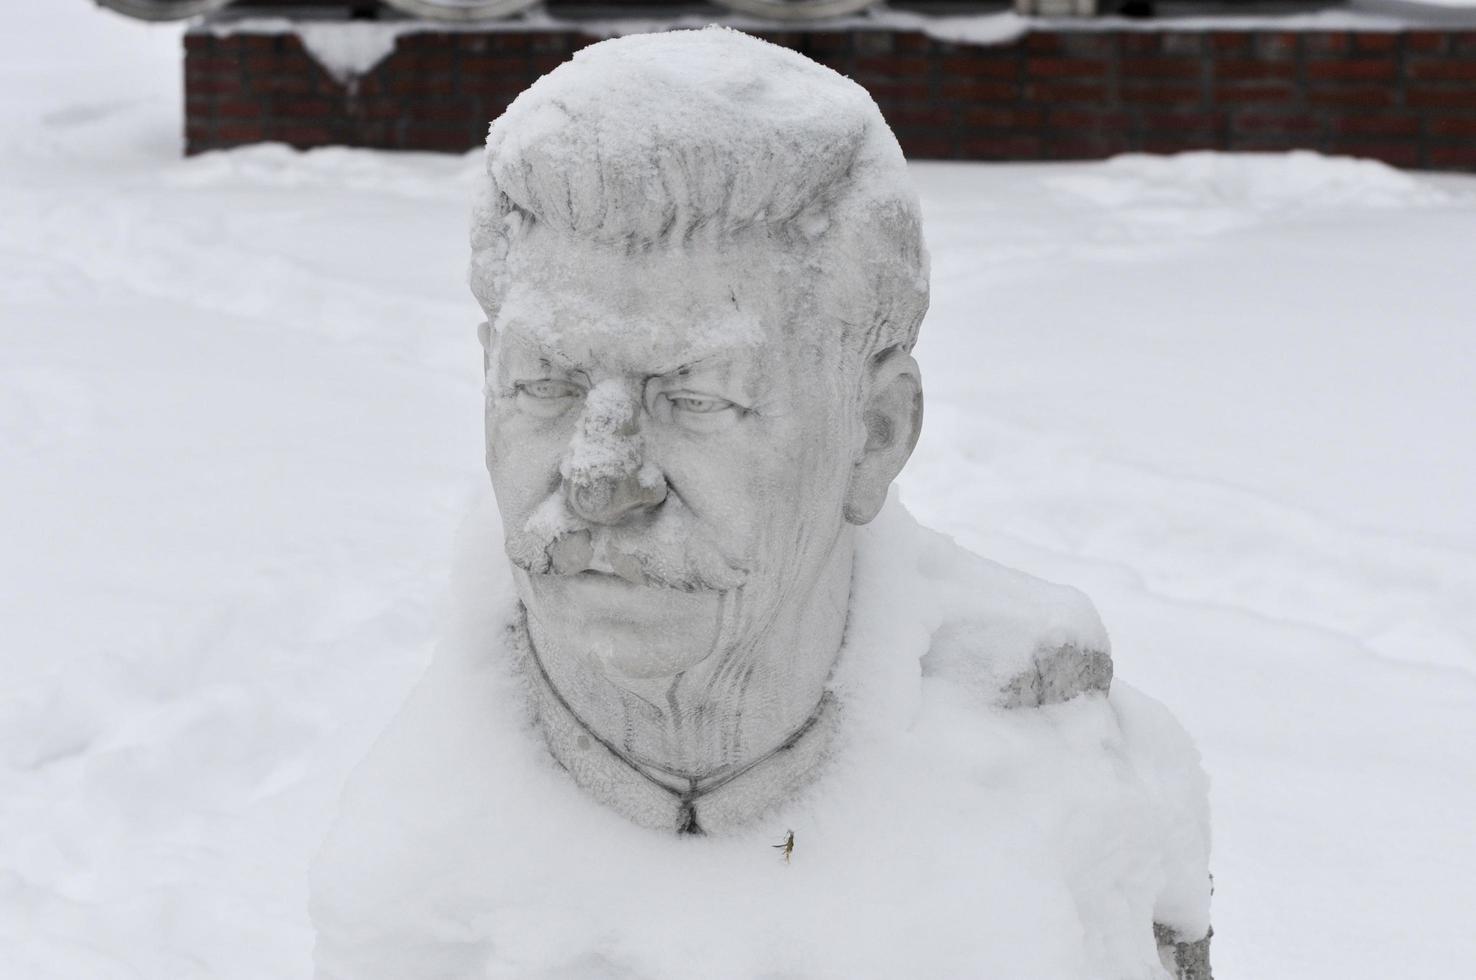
[[701, 139]]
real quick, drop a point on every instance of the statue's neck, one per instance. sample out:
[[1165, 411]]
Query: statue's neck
[[731, 709]]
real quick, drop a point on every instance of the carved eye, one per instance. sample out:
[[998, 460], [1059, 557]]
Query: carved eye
[[699, 404], [547, 397]]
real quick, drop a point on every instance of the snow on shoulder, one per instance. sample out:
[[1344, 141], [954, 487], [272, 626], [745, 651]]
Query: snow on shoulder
[[947, 835]]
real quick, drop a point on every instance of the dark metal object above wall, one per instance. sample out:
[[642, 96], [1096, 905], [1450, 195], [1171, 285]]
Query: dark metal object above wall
[[466, 10], [164, 9]]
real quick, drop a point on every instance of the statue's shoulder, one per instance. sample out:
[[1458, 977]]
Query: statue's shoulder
[[1014, 639]]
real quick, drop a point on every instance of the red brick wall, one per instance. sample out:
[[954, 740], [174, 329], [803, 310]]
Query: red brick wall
[[1408, 98]]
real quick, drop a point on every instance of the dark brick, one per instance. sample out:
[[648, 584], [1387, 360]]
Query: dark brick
[[919, 115], [238, 108], [784, 39], [1443, 70], [255, 44], [1263, 123], [435, 139], [1452, 126], [555, 42], [895, 90], [233, 133], [1140, 44], [873, 42], [1364, 42], [1463, 42], [914, 43], [1320, 44], [1277, 47], [1250, 70], [507, 41], [1396, 154], [1049, 93], [1043, 43], [978, 90], [1181, 43], [1433, 97], [1363, 124], [1003, 147], [541, 64], [965, 66], [214, 85], [412, 84], [304, 137], [1158, 93], [1235, 43], [1172, 122], [1074, 147], [1084, 44], [496, 65], [1269, 144], [1100, 120], [824, 42], [1161, 68], [1352, 71], [1353, 98], [1179, 144], [1425, 42], [294, 107], [387, 110], [1452, 157], [890, 66], [1244, 93], [285, 84], [1065, 67], [926, 144], [984, 117]]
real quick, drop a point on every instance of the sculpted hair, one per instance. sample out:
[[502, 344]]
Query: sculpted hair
[[703, 139]]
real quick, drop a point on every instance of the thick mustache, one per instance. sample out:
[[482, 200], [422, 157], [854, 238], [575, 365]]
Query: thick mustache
[[668, 554]]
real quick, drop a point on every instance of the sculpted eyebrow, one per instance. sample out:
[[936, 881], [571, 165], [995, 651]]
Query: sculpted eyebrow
[[710, 362], [528, 347]]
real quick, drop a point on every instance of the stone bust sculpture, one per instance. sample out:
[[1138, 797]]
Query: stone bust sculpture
[[699, 383], [703, 273]]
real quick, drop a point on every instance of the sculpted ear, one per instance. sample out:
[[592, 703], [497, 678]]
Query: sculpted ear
[[892, 411]]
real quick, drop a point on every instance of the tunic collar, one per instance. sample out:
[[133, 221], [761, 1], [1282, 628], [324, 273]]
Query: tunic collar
[[723, 801]]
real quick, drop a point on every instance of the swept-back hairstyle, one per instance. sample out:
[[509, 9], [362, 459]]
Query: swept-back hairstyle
[[707, 138]]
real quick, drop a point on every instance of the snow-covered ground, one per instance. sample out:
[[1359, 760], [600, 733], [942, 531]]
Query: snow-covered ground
[[1233, 399]]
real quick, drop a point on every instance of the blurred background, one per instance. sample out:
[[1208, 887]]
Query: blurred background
[[1229, 395]]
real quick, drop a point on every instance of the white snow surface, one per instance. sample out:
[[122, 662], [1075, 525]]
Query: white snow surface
[[348, 49], [945, 838], [1227, 397]]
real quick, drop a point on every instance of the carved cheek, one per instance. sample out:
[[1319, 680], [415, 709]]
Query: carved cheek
[[496, 420]]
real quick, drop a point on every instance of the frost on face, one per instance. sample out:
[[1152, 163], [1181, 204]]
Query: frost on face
[[604, 478], [606, 455]]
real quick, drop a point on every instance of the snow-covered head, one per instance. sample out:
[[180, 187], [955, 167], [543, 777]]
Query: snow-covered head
[[701, 262], [706, 140]]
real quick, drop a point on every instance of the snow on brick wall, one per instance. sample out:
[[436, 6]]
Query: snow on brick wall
[[1407, 97]]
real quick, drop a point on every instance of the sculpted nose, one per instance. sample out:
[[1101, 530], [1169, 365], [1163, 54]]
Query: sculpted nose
[[607, 479], [616, 498]]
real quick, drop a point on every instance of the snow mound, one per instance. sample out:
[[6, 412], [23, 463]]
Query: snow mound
[[1272, 182], [947, 837]]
